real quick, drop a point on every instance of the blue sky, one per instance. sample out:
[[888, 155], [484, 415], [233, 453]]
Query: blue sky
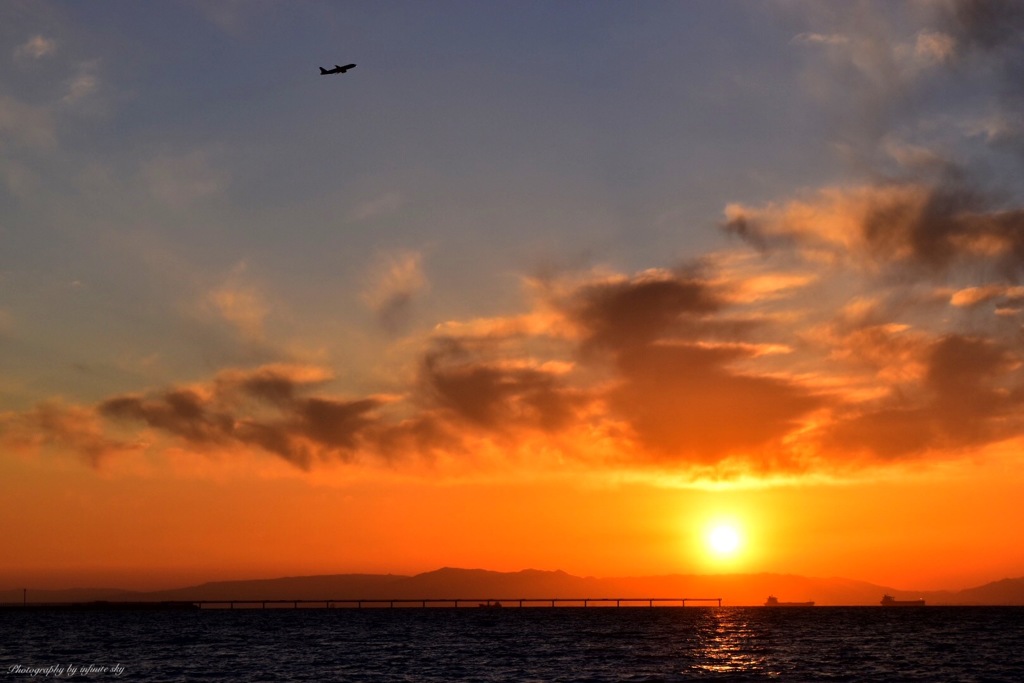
[[489, 139]]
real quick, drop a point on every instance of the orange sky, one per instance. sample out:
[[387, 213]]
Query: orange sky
[[934, 529], [762, 269]]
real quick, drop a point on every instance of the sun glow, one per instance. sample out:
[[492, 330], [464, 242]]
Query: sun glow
[[724, 540]]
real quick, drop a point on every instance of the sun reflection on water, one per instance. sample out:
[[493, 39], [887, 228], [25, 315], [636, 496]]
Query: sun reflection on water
[[729, 642]]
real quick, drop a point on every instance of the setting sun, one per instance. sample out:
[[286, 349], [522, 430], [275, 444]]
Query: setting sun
[[724, 540]]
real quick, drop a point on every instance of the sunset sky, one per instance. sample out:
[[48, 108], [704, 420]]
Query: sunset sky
[[552, 285]]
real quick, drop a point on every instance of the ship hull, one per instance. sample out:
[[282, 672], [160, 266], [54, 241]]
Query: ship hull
[[773, 602], [889, 601]]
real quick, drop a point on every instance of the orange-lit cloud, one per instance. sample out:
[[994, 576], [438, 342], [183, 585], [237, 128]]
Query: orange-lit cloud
[[54, 427], [970, 394], [238, 303], [666, 369], [910, 223], [264, 409], [641, 357]]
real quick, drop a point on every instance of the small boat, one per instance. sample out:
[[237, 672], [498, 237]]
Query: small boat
[[889, 601], [490, 605], [773, 601]]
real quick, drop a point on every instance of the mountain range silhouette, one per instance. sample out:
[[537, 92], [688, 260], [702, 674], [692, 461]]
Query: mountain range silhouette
[[452, 583]]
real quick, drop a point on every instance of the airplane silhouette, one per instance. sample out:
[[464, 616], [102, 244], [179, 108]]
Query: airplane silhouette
[[336, 70]]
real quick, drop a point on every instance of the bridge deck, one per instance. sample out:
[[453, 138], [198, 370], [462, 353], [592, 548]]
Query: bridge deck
[[458, 602]]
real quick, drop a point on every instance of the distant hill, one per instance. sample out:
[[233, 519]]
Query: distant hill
[[1004, 592], [286, 588], [66, 595], [480, 584]]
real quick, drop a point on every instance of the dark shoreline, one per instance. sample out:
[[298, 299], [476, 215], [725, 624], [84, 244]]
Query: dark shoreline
[[101, 605]]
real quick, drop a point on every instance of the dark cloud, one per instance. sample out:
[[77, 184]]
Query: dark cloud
[[929, 224], [889, 433], [682, 400], [180, 412], [495, 396], [992, 31], [638, 311], [52, 425], [276, 418], [749, 229], [395, 312], [935, 226], [277, 438], [970, 379], [397, 280], [687, 404], [270, 387], [332, 423], [947, 225], [425, 435], [987, 24], [970, 395]]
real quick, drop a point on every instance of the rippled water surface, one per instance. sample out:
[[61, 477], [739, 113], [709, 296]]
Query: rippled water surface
[[532, 644]]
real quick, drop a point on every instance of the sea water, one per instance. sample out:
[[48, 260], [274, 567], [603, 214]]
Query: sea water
[[518, 644]]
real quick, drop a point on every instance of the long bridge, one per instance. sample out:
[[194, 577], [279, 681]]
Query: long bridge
[[461, 602], [372, 603]]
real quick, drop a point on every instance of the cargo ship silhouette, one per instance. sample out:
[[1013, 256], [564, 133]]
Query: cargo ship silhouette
[[889, 601], [773, 601]]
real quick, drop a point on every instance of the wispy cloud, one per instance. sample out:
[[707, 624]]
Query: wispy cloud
[[820, 39], [1001, 129], [233, 16], [239, 302], [36, 47], [56, 427], [383, 205], [393, 282], [179, 180], [934, 47], [85, 83], [25, 125]]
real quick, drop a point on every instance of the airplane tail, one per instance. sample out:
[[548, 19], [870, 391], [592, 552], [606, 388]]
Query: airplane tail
[[323, 71]]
